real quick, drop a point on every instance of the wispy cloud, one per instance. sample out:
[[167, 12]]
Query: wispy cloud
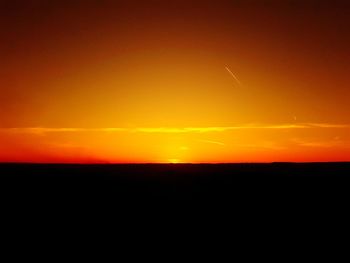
[[44, 130], [213, 142], [329, 125], [182, 130], [320, 143], [262, 145]]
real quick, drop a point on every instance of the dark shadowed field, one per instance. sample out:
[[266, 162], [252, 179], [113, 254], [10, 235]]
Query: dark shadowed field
[[144, 182]]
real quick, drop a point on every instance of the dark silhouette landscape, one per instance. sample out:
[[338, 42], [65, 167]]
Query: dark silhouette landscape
[[142, 182]]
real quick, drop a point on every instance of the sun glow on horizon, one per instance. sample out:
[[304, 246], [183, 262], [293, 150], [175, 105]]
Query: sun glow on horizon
[[243, 143]]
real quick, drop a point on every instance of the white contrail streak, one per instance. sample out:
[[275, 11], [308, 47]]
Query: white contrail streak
[[234, 76]]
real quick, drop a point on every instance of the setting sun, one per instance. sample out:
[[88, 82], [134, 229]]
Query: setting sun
[[174, 161]]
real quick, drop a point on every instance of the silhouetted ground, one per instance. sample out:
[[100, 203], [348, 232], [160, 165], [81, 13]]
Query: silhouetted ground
[[161, 182], [246, 203]]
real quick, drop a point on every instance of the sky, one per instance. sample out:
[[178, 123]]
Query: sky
[[174, 81]]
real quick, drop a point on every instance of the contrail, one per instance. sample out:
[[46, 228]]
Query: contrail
[[234, 76]]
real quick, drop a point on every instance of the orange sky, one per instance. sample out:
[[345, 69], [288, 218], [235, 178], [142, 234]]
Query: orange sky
[[174, 81]]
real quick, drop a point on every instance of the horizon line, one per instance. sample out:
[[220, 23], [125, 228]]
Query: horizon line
[[169, 163]]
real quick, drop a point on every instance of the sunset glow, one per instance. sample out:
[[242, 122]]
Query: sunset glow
[[175, 81]]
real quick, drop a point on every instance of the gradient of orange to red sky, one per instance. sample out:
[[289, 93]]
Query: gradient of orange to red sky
[[174, 81]]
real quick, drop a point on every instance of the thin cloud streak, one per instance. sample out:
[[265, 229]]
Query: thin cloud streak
[[43, 130], [213, 142], [329, 125]]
